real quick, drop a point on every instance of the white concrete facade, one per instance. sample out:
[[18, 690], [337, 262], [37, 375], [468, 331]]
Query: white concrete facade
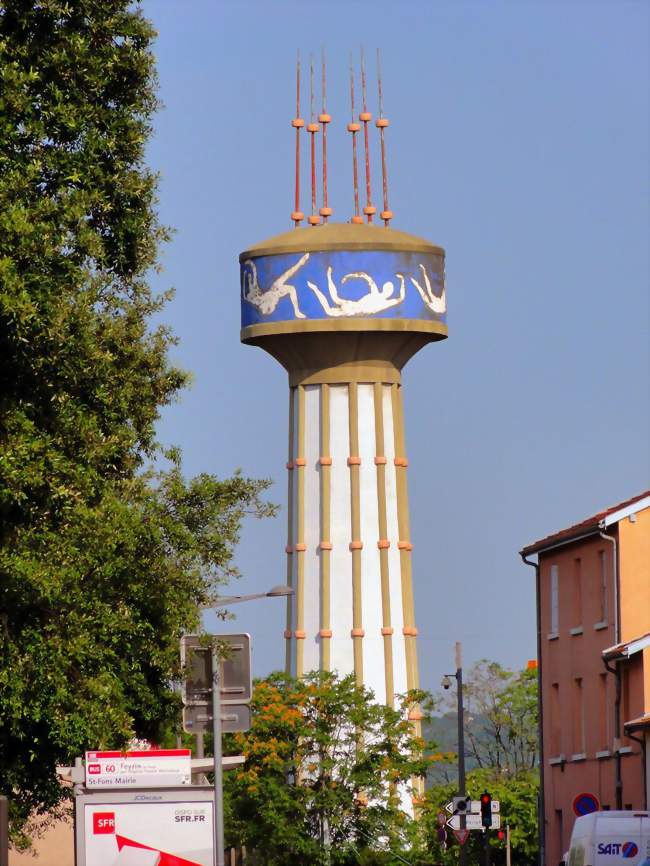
[[348, 544]]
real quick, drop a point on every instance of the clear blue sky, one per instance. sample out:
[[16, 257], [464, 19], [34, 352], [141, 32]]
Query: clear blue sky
[[519, 142]]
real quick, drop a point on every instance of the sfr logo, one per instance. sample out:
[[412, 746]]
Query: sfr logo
[[104, 822], [94, 769]]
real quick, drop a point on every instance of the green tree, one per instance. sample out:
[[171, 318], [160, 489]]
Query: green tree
[[103, 562], [325, 769], [500, 721]]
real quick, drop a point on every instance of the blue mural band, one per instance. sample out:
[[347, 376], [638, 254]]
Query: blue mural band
[[331, 285]]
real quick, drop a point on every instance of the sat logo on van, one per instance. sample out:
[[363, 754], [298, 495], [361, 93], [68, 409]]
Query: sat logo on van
[[627, 849]]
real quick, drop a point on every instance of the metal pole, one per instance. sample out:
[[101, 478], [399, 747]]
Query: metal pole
[[508, 861], [4, 831], [218, 761], [487, 847], [461, 743]]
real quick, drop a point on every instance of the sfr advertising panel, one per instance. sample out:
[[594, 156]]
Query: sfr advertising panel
[[146, 828]]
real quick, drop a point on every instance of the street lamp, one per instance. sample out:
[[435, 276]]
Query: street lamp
[[446, 684], [275, 592], [279, 591]]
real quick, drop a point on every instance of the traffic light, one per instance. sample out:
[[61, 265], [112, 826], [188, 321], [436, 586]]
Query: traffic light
[[486, 809], [501, 835]]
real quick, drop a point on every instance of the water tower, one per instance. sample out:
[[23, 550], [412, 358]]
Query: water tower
[[343, 306]]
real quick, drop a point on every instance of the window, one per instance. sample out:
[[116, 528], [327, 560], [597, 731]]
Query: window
[[555, 613], [577, 593], [602, 561], [578, 718], [603, 714], [556, 729]]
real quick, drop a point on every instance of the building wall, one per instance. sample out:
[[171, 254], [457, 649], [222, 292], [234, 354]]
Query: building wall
[[634, 542], [577, 607]]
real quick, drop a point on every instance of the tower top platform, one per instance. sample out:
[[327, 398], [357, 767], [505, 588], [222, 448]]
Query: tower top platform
[[343, 302], [341, 236]]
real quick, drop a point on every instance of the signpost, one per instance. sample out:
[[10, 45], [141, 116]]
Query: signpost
[[222, 679]]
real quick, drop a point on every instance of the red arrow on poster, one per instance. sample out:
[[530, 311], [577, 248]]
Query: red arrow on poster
[[165, 858], [461, 836]]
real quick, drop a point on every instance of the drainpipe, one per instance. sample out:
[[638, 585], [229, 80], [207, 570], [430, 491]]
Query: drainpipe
[[616, 671], [617, 732], [541, 807], [644, 760]]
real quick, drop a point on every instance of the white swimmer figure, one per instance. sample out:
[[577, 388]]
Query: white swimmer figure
[[434, 303], [267, 301], [375, 301]]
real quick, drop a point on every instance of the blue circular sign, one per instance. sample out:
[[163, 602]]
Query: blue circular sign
[[584, 804]]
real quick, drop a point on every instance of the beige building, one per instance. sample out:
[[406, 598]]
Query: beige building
[[593, 592]]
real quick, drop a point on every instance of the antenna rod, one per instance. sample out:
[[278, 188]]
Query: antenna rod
[[354, 127], [312, 128], [365, 117], [297, 216], [324, 118], [381, 123]]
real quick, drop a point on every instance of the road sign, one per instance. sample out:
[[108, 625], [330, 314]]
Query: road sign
[[139, 769], [196, 658], [461, 836], [234, 717], [442, 819], [475, 807], [461, 805], [585, 803], [472, 822]]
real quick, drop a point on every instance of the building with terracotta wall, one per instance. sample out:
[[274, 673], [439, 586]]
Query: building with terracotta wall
[[593, 622]]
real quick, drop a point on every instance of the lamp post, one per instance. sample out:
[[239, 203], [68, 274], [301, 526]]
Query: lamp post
[[280, 591], [446, 683]]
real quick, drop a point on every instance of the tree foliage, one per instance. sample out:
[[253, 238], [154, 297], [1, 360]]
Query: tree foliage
[[500, 720], [103, 562], [326, 773]]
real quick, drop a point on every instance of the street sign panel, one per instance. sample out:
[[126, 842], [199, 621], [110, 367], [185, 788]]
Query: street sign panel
[[139, 769], [234, 717], [196, 658], [461, 836], [473, 822], [475, 807]]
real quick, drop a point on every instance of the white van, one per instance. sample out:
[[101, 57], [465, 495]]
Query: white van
[[610, 839]]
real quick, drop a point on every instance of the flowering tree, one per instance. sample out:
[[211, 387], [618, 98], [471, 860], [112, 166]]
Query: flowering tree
[[327, 773]]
